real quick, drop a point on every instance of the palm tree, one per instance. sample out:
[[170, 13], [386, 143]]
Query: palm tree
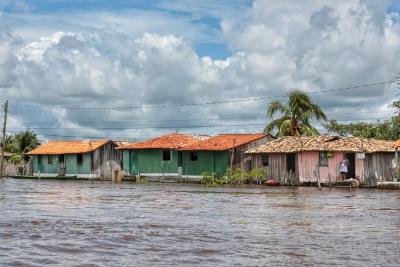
[[20, 144], [295, 116]]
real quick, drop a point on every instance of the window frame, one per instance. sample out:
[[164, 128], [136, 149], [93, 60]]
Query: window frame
[[323, 161], [49, 160], [40, 159], [265, 160], [194, 156], [164, 154]]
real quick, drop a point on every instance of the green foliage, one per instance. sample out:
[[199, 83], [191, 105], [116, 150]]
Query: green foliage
[[257, 174], [19, 144], [211, 180], [295, 116], [385, 130], [330, 154], [16, 159], [236, 177]]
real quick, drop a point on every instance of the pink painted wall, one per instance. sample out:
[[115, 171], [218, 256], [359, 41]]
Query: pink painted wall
[[333, 166], [309, 161]]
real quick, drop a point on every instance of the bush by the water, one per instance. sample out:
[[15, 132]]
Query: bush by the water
[[235, 177]]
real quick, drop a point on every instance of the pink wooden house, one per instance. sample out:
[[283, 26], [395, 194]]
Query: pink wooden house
[[299, 160]]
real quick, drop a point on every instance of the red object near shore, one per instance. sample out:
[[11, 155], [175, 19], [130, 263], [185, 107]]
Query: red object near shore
[[272, 182]]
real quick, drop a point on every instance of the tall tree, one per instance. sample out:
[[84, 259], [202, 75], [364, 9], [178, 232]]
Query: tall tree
[[387, 130], [20, 144], [295, 116]]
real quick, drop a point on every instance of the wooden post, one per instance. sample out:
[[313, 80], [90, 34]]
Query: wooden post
[[241, 173], [3, 142], [330, 183], [256, 163], [396, 170], [232, 155], [318, 182], [316, 174]]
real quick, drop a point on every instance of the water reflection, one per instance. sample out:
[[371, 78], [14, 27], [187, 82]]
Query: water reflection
[[102, 224]]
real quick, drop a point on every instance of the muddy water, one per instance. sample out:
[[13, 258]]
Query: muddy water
[[100, 224]]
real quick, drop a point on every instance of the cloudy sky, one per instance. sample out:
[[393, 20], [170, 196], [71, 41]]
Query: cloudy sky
[[134, 68]]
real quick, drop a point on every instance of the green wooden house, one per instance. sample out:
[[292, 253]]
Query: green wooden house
[[158, 156], [188, 156], [219, 153], [83, 159]]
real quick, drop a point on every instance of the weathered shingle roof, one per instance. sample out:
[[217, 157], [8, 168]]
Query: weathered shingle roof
[[290, 144], [68, 147], [123, 143], [397, 143], [168, 141], [224, 142]]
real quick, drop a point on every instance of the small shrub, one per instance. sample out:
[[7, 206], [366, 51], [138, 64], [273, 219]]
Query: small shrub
[[235, 177], [211, 180], [257, 175]]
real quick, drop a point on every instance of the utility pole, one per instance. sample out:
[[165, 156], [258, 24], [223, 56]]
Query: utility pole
[[3, 142]]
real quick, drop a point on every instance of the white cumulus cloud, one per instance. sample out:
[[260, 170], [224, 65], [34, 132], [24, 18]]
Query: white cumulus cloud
[[276, 46]]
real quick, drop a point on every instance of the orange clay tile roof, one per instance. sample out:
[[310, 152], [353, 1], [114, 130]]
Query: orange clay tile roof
[[68, 147], [224, 142], [168, 141]]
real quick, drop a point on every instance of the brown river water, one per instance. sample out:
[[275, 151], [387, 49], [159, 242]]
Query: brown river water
[[68, 223]]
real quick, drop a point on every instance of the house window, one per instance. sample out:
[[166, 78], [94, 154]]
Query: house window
[[39, 159], [194, 156], [264, 159], [79, 159], [50, 159], [247, 165], [166, 155], [323, 158]]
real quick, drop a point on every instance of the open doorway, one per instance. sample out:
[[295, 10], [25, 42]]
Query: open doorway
[[61, 165], [352, 165], [291, 162]]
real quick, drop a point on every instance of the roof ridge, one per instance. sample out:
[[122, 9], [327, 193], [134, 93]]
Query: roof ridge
[[240, 134]]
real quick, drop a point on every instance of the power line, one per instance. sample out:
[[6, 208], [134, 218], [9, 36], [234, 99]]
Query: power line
[[200, 103], [142, 128], [195, 119], [164, 127], [92, 137]]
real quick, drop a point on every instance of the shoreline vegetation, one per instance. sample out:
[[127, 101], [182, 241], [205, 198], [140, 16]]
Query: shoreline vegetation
[[235, 177]]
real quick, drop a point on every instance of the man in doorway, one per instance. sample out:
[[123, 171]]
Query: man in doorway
[[344, 168]]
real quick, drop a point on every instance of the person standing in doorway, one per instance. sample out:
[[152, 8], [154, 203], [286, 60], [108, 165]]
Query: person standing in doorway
[[344, 168]]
